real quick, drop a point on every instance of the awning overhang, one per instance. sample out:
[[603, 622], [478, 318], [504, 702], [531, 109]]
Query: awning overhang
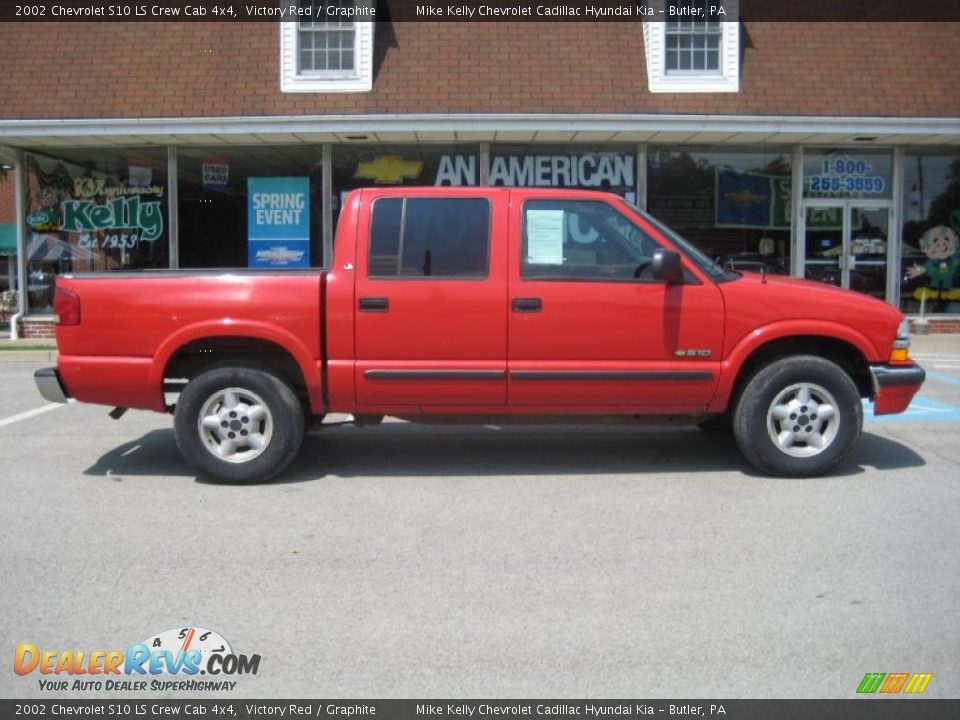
[[437, 128]]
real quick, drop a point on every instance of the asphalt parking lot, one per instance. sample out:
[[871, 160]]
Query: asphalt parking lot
[[410, 561]]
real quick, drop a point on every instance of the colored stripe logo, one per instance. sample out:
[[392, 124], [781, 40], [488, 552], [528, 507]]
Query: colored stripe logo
[[894, 683]]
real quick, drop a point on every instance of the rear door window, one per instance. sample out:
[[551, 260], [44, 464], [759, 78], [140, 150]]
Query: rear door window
[[429, 238]]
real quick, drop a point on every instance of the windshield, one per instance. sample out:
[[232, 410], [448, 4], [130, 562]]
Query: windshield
[[713, 269]]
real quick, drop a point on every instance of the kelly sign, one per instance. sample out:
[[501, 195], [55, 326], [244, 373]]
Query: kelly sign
[[120, 213], [278, 222]]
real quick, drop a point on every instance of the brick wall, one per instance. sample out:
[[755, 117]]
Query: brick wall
[[81, 70], [937, 326], [7, 197], [36, 329]]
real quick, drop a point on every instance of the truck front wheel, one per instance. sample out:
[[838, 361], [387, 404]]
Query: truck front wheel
[[238, 424], [798, 417]]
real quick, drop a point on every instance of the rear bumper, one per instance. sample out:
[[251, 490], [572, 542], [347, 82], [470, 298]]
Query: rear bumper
[[50, 386], [894, 387]]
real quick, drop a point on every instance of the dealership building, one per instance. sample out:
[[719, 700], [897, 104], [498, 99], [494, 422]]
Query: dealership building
[[827, 150]]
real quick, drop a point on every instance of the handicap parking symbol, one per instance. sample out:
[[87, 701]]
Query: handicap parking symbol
[[922, 409]]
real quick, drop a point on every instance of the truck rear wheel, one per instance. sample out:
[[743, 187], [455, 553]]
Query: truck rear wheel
[[239, 424], [798, 417]]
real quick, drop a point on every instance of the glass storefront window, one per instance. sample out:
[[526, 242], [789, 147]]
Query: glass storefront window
[[240, 206], [93, 210], [831, 173], [609, 169], [9, 303], [359, 166], [931, 233], [735, 205]]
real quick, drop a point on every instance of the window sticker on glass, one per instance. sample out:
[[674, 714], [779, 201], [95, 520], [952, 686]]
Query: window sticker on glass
[[545, 237]]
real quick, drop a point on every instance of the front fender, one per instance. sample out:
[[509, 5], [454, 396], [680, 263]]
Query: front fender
[[731, 365]]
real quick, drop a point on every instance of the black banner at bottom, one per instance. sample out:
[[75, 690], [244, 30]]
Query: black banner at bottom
[[862, 708]]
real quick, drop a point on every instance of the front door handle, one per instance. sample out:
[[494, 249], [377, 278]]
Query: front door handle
[[527, 305], [374, 304]]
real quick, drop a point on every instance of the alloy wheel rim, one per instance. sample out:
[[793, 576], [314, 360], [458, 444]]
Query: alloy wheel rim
[[803, 420], [235, 425]]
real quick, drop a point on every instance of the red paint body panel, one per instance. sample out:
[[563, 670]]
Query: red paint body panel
[[760, 310], [434, 323], [755, 303], [893, 399], [119, 381], [145, 319], [619, 327], [620, 347]]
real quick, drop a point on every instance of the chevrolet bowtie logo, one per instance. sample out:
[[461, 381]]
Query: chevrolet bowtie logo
[[388, 170]]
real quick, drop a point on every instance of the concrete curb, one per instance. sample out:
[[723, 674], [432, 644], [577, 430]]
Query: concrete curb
[[948, 344], [38, 356]]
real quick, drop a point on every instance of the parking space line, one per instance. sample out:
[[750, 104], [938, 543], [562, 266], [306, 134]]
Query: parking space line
[[943, 377], [30, 413], [922, 409]]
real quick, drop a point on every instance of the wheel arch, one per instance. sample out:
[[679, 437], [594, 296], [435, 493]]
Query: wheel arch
[[195, 349], [851, 353]]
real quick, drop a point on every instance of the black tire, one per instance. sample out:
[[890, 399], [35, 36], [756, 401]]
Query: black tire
[[780, 428], [717, 425], [230, 452]]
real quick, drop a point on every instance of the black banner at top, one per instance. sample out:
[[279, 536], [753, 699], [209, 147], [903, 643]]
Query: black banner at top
[[586, 11], [148, 709]]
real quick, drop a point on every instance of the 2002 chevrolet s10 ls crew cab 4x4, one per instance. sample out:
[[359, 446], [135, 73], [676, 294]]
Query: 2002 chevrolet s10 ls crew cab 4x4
[[484, 305]]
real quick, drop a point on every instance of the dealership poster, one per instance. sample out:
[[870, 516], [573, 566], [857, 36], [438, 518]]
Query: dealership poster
[[744, 199], [215, 173], [544, 237], [106, 215], [278, 227]]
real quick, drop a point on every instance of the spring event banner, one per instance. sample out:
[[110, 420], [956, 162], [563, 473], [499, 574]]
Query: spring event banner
[[278, 222]]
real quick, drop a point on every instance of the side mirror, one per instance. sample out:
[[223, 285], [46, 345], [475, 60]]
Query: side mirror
[[666, 266]]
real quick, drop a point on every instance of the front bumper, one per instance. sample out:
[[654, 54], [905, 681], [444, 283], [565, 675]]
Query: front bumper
[[50, 386], [894, 387]]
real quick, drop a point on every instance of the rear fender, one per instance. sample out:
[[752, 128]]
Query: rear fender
[[309, 366]]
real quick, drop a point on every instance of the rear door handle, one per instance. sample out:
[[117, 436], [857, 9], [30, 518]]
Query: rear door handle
[[374, 304], [527, 305]]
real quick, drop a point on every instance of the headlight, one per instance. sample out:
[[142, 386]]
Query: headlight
[[903, 332]]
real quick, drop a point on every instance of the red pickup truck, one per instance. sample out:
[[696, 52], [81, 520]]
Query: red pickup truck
[[484, 305]]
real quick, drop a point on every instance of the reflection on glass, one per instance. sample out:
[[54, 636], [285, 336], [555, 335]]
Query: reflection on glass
[[93, 210], [824, 244], [735, 205], [868, 250], [214, 201], [931, 249], [852, 256], [844, 173]]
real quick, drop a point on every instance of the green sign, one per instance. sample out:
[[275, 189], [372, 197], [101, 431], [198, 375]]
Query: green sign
[[120, 213]]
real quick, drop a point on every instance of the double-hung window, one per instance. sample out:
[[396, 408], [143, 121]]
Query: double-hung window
[[329, 49], [693, 49]]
